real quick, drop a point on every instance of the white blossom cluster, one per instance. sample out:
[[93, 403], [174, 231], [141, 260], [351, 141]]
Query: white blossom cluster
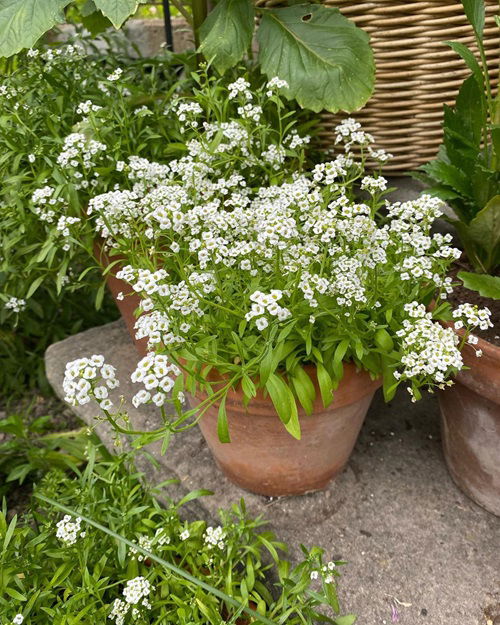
[[135, 593], [157, 374], [68, 531], [145, 542], [214, 537], [18, 619], [80, 152], [84, 108], [16, 304], [89, 378], [429, 349], [263, 303], [472, 315], [325, 573]]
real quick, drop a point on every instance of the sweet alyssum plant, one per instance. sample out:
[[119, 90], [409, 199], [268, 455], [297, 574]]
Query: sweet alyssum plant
[[252, 267], [133, 561]]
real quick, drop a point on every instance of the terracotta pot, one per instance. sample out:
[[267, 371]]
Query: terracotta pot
[[470, 421], [265, 459], [130, 301]]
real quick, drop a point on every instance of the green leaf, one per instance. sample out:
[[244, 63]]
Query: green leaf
[[284, 402], [222, 425], [325, 58], [484, 230], [226, 34], [34, 286], [96, 23], [485, 285], [474, 10], [304, 388], [23, 22], [450, 175], [469, 59], [117, 11], [348, 619], [383, 340], [325, 384]]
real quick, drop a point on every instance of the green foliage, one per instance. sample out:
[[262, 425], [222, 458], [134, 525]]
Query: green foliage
[[487, 286], [466, 173], [52, 276], [33, 446], [324, 57], [196, 575]]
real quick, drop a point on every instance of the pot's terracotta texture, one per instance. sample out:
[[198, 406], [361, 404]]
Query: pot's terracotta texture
[[265, 459], [130, 300], [470, 420]]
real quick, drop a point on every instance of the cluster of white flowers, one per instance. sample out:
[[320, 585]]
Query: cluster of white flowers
[[136, 593], [429, 349], [184, 535], [79, 151], [84, 108], [87, 378], [18, 619], [214, 537], [263, 303], [472, 315], [275, 84], [374, 184], [145, 542], [325, 572], [240, 87], [68, 531], [16, 304], [350, 133], [153, 371], [114, 76]]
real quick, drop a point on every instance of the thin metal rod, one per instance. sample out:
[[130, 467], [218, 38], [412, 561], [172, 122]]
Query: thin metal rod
[[169, 37]]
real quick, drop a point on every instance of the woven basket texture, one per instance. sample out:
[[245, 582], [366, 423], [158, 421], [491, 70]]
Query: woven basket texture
[[415, 72]]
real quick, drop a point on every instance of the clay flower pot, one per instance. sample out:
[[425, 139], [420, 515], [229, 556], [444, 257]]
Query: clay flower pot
[[264, 458], [470, 423], [130, 300]]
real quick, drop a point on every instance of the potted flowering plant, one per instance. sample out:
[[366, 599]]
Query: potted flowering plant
[[271, 293], [466, 174]]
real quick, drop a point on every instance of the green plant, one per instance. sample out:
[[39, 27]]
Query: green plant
[[466, 173], [49, 279], [33, 446], [128, 559], [251, 265], [325, 58]]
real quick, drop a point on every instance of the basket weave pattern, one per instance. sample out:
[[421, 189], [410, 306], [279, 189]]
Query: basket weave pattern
[[416, 73]]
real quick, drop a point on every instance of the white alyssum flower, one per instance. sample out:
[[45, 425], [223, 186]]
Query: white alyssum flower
[[137, 589], [31, 158], [16, 304], [114, 76], [157, 374], [184, 535], [473, 316], [18, 619], [89, 378], [68, 531], [214, 537]]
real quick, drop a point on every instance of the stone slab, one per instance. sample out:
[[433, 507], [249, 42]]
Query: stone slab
[[408, 534]]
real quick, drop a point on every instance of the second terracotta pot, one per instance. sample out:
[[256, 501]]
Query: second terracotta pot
[[264, 458], [470, 424]]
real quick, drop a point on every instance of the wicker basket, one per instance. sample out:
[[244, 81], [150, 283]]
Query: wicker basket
[[416, 73]]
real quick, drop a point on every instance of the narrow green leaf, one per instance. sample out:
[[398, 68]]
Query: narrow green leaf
[[348, 619], [324, 57], [325, 385], [469, 59], [226, 34], [304, 388], [278, 391], [383, 340], [34, 286], [474, 10], [222, 425]]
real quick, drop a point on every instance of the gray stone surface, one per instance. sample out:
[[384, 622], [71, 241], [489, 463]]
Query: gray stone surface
[[410, 537]]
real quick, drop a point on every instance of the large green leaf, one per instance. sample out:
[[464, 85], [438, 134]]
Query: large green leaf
[[117, 11], [326, 60], [485, 285], [23, 22], [227, 32], [469, 58]]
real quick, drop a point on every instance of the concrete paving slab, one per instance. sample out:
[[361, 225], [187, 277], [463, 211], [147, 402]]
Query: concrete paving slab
[[411, 538]]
